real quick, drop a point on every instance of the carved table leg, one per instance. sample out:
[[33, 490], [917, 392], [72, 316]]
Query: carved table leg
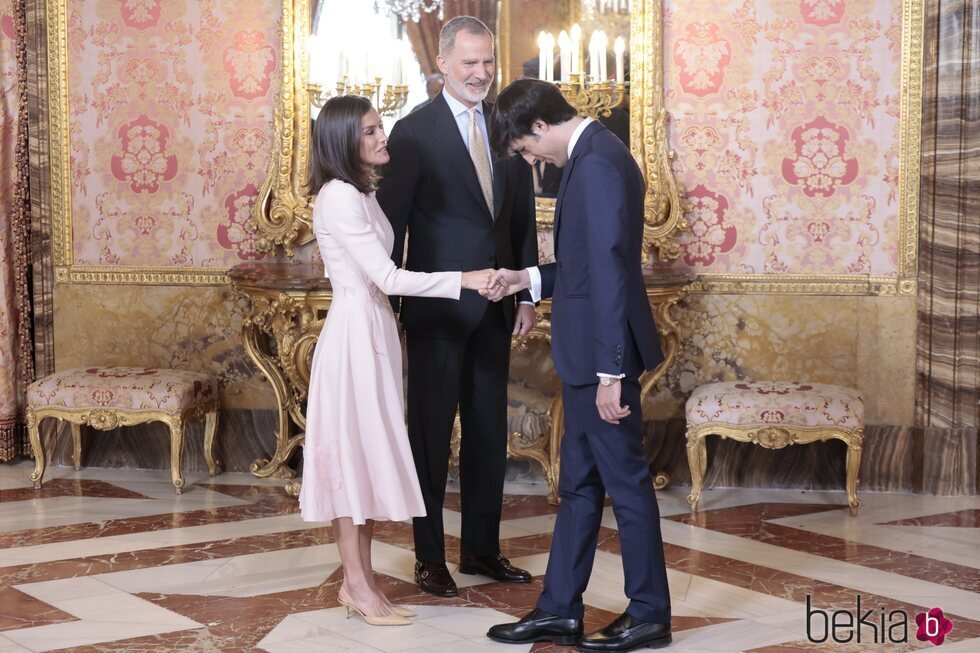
[[210, 429], [176, 452], [277, 466]]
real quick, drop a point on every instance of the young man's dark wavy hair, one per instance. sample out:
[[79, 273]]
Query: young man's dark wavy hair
[[335, 148], [518, 106]]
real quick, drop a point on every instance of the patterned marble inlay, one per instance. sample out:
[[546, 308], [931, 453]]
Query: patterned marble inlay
[[229, 565]]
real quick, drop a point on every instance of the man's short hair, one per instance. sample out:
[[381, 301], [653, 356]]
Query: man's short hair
[[518, 106], [469, 24]]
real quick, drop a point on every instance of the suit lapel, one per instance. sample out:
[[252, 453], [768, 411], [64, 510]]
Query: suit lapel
[[452, 147]]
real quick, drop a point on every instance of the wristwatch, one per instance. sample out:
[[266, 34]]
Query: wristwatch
[[608, 380]]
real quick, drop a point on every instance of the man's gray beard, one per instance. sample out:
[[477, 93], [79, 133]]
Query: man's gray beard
[[465, 93]]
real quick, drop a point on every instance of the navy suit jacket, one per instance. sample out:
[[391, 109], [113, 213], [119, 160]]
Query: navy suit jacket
[[601, 319]]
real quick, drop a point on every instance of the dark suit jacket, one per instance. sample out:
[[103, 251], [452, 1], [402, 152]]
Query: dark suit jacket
[[601, 319], [430, 189]]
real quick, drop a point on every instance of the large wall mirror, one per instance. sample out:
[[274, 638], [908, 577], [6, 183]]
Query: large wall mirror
[[328, 41]]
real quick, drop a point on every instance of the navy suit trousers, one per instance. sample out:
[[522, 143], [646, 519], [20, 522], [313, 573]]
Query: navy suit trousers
[[597, 457]]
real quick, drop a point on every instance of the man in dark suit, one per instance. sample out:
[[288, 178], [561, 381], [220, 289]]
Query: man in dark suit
[[602, 338], [462, 210]]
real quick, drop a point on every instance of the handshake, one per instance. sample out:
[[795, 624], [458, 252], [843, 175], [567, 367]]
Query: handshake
[[496, 284]]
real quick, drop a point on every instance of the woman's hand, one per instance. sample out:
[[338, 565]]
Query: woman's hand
[[477, 279]]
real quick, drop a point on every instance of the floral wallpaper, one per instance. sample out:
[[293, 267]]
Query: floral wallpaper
[[171, 128], [785, 119]]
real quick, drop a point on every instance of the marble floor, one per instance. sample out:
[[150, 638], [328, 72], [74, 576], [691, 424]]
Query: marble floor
[[110, 560]]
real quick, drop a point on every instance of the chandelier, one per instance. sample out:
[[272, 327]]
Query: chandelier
[[409, 9]]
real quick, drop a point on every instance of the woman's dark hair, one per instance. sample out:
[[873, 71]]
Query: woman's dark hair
[[524, 101], [335, 149]]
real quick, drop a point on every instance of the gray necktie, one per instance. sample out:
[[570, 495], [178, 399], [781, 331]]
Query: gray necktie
[[478, 152]]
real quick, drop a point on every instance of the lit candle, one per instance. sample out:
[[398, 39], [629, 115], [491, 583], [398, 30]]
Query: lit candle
[[564, 55], [576, 64], [594, 56], [601, 43], [549, 55], [541, 64], [619, 47]]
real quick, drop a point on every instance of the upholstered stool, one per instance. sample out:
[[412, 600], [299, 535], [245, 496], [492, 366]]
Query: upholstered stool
[[774, 415], [109, 397]]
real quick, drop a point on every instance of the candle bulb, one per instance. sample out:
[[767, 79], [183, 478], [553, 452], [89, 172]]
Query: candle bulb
[[541, 63], [576, 53], [602, 42], [564, 55], [619, 47], [549, 53], [594, 57]]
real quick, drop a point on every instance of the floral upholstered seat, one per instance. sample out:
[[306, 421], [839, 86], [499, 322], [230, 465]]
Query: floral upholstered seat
[[774, 414], [109, 397], [748, 403], [127, 388]]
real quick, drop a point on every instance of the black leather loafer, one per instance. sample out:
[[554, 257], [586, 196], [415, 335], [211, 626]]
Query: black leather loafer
[[434, 578], [538, 626], [496, 567], [627, 634]]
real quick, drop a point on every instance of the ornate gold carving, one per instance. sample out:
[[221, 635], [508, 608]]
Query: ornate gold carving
[[279, 334], [58, 129], [772, 437], [283, 215], [776, 284], [105, 419]]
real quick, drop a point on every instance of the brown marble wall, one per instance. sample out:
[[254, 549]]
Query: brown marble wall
[[949, 269]]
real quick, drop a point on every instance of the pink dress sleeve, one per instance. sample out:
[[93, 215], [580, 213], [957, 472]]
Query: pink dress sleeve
[[343, 215]]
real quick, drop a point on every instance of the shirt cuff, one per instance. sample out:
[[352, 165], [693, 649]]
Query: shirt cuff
[[611, 376], [535, 274], [527, 303]]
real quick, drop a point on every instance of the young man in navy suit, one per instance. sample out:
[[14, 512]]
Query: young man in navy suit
[[603, 337]]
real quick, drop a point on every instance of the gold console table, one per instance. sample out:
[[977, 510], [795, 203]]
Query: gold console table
[[287, 306]]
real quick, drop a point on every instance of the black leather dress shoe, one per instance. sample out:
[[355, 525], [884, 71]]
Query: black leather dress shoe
[[538, 626], [496, 567], [627, 634], [434, 578]]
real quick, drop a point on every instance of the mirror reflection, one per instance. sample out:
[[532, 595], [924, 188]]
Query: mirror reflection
[[583, 45]]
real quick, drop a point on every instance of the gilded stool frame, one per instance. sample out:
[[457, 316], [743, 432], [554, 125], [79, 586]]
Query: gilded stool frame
[[106, 419], [772, 437]]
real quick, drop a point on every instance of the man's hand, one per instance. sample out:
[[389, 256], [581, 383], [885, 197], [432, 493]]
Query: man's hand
[[525, 320], [607, 401], [506, 282]]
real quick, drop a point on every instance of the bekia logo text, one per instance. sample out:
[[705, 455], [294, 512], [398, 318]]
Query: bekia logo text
[[877, 626]]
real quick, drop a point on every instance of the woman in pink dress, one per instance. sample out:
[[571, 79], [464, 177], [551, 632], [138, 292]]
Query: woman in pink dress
[[357, 463]]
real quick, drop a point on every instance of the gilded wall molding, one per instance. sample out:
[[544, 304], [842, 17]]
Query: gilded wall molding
[[131, 275], [785, 284], [910, 142], [59, 129]]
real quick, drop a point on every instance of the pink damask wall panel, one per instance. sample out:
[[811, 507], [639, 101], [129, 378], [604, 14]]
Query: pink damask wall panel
[[171, 126], [785, 118]]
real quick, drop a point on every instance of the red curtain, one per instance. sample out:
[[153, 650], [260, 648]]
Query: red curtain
[[424, 35], [16, 350]]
